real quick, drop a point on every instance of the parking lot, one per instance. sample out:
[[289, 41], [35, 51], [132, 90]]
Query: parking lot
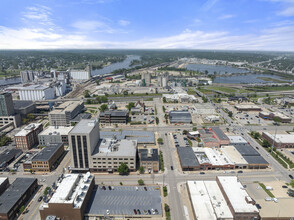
[[181, 140]]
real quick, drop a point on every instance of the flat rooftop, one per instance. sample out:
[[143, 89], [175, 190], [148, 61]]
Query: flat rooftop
[[81, 116], [248, 106], [142, 137], [33, 87], [234, 155], [71, 189], [14, 192], [66, 107], [281, 138], [111, 147], [237, 140], [21, 104], [46, 153], [7, 155], [122, 200], [85, 126], [56, 130], [236, 194], [27, 129], [220, 134], [187, 157], [212, 155]]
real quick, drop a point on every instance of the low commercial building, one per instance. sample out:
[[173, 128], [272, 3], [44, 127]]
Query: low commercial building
[[48, 158], [180, 117], [7, 156], [279, 140], [36, 92], [70, 198], [17, 195], [208, 202], [110, 153], [221, 136], [149, 160], [240, 203], [64, 113], [235, 156], [24, 107], [79, 117], [54, 134], [248, 107], [179, 98], [204, 109], [4, 184], [114, 117], [193, 135], [272, 116], [212, 159], [118, 202], [28, 137], [188, 159]]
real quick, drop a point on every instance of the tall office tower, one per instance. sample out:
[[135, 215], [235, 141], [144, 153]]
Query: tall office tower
[[6, 104]]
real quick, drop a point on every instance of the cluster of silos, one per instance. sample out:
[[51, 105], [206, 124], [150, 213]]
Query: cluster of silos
[[146, 79], [162, 80]]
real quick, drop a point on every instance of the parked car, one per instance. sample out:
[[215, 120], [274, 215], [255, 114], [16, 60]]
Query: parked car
[[291, 177], [135, 211], [40, 198], [285, 187], [171, 167], [240, 171]]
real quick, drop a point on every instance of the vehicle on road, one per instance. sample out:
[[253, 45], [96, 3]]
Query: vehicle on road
[[285, 187], [240, 171], [40, 198], [171, 167], [291, 177], [202, 173]]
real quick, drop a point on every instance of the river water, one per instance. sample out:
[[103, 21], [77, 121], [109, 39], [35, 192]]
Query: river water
[[115, 66]]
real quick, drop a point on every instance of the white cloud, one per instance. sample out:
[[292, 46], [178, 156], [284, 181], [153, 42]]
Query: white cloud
[[38, 15], [123, 22], [97, 26], [227, 16], [209, 4], [288, 7]]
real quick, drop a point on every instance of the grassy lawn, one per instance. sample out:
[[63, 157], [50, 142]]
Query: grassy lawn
[[191, 91], [206, 92], [266, 190], [222, 89], [271, 88], [137, 94]]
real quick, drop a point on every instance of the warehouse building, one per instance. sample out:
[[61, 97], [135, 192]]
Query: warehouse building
[[48, 158], [279, 140], [114, 117], [188, 159], [248, 107], [28, 137], [208, 202], [54, 134], [64, 113], [180, 117], [70, 198], [204, 109], [17, 194], [275, 115], [240, 203]]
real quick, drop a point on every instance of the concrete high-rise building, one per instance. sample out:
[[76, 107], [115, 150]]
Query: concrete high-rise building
[[6, 104], [162, 80], [83, 139]]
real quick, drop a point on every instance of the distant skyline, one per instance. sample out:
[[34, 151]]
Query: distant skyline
[[147, 24]]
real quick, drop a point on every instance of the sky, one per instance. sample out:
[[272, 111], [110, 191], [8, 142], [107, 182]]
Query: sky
[[147, 24]]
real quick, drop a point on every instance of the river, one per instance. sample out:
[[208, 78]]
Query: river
[[115, 66]]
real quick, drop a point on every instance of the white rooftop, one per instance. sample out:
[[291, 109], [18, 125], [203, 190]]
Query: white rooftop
[[281, 138], [201, 201], [71, 190], [214, 155], [194, 132], [2, 179], [56, 130], [237, 140], [111, 147], [234, 155], [27, 129], [236, 194]]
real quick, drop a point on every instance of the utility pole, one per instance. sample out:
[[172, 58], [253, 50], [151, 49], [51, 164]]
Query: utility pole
[[274, 139]]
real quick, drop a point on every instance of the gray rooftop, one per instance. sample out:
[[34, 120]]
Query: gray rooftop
[[115, 113], [221, 135], [81, 116], [177, 114], [187, 157], [15, 191], [144, 155], [46, 153], [21, 104], [122, 200], [246, 150], [255, 160], [142, 137], [85, 126], [9, 155]]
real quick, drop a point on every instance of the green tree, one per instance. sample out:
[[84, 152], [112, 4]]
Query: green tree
[[103, 107], [277, 119], [125, 93], [123, 169], [22, 208], [230, 114], [164, 100], [194, 129], [141, 169], [157, 120], [160, 141], [257, 135], [266, 143], [130, 105], [141, 182], [97, 82], [87, 93], [46, 191], [30, 116]]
